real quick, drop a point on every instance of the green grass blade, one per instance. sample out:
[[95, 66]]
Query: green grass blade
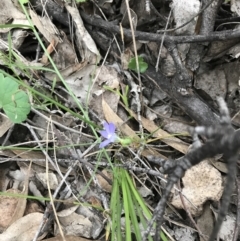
[[141, 203], [132, 208], [126, 210], [116, 209]]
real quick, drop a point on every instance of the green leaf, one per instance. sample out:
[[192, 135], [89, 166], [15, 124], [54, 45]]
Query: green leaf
[[142, 65], [13, 101]]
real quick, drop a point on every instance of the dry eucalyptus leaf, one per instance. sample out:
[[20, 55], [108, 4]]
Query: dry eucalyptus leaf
[[174, 127], [46, 27], [221, 166], [4, 179], [87, 47], [206, 222], [68, 238], [103, 183], [163, 135], [125, 58], [65, 54], [24, 229], [22, 202], [73, 223], [201, 183], [7, 207], [10, 11], [80, 81], [5, 124]]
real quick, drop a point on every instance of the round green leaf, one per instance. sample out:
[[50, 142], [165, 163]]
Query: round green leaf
[[142, 65], [13, 101]]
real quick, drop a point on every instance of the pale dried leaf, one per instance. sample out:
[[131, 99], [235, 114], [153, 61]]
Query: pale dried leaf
[[102, 181], [165, 137], [175, 127], [24, 229], [221, 166], [66, 72], [18, 37], [206, 222], [5, 125], [108, 76], [48, 179], [85, 43], [10, 11], [80, 82], [74, 223], [46, 27], [7, 207], [235, 6], [201, 183], [183, 11], [22, 202], [68, 238], [126, 57]]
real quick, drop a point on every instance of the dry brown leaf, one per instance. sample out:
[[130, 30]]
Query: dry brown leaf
[[46, 27], [22, 202], [86, 46], [24, 229], [7, 208], [165, 137], [73, 223], [102, 181], [31, 155], [33, 207], [68, 238], [10, 11], [206, 222], [5, 125]]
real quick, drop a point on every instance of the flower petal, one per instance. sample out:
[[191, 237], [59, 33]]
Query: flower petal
[[113, 137], [106, 126], [111, 127], [104, 134], [104, 143]]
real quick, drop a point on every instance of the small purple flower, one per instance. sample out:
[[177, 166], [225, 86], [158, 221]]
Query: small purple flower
[[109, 134]]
